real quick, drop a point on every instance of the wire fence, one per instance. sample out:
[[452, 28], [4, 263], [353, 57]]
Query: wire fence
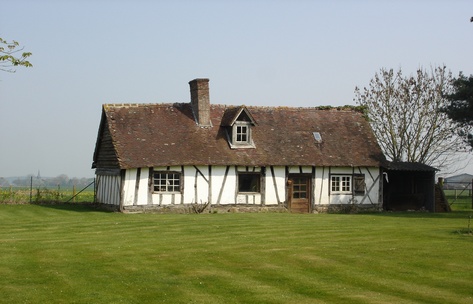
[[459, 195], [47, 194]]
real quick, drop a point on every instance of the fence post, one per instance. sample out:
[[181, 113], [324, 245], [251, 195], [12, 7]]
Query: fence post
[[74, 193], [31, 188], [472, 195]]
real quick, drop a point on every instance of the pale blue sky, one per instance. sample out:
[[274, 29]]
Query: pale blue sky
[[271, 53]]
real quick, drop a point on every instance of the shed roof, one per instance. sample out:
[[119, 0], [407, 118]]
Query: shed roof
[[409, 166], [148, 135]]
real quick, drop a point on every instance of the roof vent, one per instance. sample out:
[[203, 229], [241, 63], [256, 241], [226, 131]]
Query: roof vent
[[317, 137]]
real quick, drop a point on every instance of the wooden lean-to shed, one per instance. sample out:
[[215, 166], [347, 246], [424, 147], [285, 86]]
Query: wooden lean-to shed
[[173, 155], [409, 186]]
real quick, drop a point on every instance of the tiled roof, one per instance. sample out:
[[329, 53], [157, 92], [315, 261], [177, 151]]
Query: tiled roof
[[232, 113], [148, 135]]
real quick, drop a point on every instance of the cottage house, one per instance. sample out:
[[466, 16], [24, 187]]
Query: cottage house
[[162, 156]]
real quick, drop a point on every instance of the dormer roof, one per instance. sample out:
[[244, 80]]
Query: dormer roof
[[233, 114]]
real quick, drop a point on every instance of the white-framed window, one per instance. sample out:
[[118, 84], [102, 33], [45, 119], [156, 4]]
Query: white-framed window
[[242, 133], [166, 181], [249, 182], [341, 183]]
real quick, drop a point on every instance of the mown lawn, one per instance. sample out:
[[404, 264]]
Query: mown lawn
[[74, 254]]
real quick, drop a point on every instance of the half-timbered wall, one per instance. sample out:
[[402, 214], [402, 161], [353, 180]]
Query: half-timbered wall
[[219, 185], [324, 196]]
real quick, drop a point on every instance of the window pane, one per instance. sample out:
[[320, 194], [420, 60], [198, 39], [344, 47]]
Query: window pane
[[299, 188], [242, 133], [335, 183], [346, 183], [248, 182], [341, 183], [167, 182]]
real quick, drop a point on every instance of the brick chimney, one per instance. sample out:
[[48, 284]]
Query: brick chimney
[[200, 101]]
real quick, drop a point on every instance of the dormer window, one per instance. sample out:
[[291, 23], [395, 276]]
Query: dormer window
[[241, 135], [241, 132], [238, 123]]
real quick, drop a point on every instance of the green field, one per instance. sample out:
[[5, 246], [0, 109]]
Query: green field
[[21, 195], [75, 254]]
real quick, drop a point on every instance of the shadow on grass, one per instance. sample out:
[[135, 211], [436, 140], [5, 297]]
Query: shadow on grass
[[75, 207], [95, 207], [423, 214]]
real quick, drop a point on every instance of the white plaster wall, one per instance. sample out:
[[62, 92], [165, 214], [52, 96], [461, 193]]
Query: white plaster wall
[[271, 189], [143, 189], [337, 199], [249, 199], [166, 199], [229, 190], [129, 187], [322, 191], [202, 185], [322, 184], [188, 186], [227, 195]]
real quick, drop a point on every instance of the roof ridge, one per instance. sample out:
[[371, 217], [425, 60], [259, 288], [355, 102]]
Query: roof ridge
[[117, 105], [345, 108]]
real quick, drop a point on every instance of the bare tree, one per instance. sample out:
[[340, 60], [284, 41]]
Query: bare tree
[[406, 117], [9, 58]]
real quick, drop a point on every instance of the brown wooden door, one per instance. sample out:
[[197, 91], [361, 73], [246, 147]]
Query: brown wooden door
[[299, 193]]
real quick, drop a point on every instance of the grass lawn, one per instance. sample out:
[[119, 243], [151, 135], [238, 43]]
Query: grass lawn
[[74, 254]]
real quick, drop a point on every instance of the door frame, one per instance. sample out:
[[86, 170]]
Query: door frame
[[290, 181]]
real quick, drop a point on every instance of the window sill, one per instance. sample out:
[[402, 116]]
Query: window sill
[[165, 192], [242, 146]]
